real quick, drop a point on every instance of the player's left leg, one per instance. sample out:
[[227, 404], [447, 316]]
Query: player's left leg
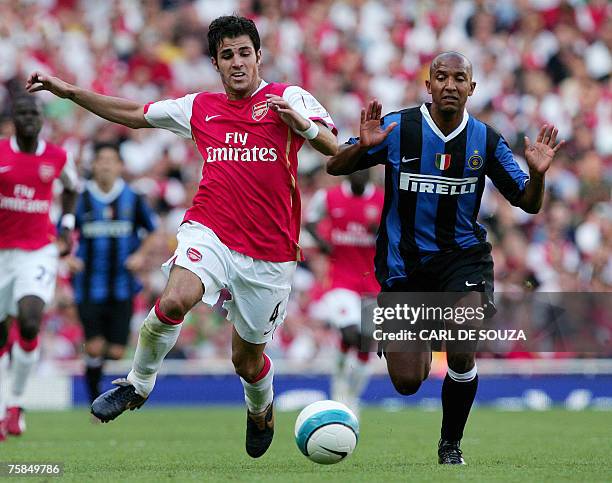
[[33, 288], [256, 373], [458, 393], [24, 355], [260, 293], [467, 274]]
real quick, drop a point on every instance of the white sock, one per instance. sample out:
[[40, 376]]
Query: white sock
[[4, 363], [358, 377], [339, 383], [258, 395], [22, 363], [155, 340]]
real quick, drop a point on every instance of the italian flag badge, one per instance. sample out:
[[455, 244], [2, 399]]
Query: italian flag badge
[[443, 161]]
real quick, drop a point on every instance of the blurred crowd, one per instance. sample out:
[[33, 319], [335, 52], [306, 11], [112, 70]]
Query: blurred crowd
[[535, 61]]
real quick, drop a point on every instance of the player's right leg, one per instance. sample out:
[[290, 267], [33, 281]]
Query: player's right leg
[[158, 334], [407, 370]]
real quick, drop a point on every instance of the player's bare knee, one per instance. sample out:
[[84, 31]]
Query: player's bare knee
[[3, 333], [115, 352], [407, 385], [461, 362], [29, 326], [174, 305], [351, 336], [245, 368], [94, 347]]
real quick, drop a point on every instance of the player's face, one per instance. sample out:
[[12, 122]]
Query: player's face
[[27, 118], [450, 85], [107, 166], [238, 65]]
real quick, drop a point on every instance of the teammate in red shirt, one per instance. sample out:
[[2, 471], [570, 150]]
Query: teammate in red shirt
[[28, 252], [353, 209], [241, 232]]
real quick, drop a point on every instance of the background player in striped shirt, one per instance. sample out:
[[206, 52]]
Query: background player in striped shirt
[[436, 158], [29, 246], [352, 212], [114, 224], [242, 230]]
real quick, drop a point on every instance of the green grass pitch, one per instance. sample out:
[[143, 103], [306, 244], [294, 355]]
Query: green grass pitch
[[207, 444]]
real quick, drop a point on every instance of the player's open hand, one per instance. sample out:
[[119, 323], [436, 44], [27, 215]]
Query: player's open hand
[[135, 262], [43, 82], [540, 154], [370, 131], [74, 264], [64, 242], [289, 116]]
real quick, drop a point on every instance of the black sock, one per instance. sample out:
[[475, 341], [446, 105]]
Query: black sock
[[93, 376], [457, 399]]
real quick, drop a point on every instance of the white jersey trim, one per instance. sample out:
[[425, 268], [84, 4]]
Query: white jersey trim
[[103, 196], [436, 129], [307, 105], [40, 147], [368, 192]]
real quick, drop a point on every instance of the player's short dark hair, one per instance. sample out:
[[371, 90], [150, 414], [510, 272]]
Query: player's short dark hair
[[231, 26], [107, 145]]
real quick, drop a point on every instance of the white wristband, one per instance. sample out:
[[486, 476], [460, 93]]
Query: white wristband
[[310, 133], [68, 221]]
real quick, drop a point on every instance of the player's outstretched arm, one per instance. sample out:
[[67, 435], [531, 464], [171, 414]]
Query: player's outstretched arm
[[539, 157], [370, 135], [114, 109]]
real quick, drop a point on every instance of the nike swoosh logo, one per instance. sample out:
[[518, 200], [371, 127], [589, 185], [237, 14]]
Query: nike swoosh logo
[[268, 331], [468, 284], [404, 160], [342, 454], [208, 118], [4, 169]]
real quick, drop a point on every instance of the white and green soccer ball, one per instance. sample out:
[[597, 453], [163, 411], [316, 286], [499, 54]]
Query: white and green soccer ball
[[326, 432]]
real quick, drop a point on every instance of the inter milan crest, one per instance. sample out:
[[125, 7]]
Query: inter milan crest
[[475, 162], [443, 161], [260, 110], [46, 172]]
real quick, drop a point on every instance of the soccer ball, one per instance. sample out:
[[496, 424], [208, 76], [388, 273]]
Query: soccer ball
[[326, 432]]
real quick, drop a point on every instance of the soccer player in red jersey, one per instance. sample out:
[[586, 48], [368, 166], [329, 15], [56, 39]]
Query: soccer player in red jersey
[[241, 232], [353, 209], [29, 247]]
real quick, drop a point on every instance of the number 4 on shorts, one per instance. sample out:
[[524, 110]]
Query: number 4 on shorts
[[274, 315]]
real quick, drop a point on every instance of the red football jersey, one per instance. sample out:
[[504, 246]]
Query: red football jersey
[[354, 221], [26, 193], [248, 194]]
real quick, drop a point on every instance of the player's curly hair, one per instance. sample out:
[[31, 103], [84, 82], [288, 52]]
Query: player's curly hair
[[231, 26]]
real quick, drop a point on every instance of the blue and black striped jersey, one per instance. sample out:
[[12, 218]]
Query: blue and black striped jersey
[[433, 187], [111, 227]]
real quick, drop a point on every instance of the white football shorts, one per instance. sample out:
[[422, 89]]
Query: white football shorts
[[24, 273], [340, 307], [260, 289]]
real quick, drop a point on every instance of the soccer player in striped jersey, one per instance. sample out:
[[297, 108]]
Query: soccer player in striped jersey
[[436, 158], [114, 224]]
